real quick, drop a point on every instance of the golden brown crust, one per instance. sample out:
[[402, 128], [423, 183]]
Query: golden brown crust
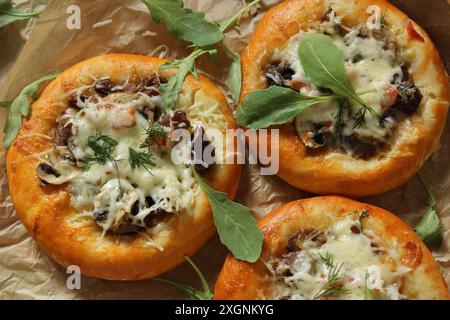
[[46, 211], [414, 141], [242, 280]]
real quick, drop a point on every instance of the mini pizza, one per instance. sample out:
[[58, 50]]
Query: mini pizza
[[334, 248], [337, 147], [94, 176]]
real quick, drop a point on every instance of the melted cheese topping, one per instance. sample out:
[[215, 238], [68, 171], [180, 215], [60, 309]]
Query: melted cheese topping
[[371, 65], [305, 274], [115, 186]]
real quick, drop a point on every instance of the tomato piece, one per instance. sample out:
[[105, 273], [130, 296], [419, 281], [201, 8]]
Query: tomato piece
[[391, 97], [413, 32]]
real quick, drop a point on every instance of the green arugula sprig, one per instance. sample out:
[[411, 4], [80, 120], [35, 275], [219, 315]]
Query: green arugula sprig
[[237, 228], [9, 14], [21, 106], [234, 75], [429, 228], [324, 66], [276, 105], [183, 23], [172, 88], [334, 287], [192, 27], [368, 293], [188, 290]]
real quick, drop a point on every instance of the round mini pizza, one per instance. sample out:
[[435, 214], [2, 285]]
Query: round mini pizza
[[100, 181], [334, 248], [380, 89]]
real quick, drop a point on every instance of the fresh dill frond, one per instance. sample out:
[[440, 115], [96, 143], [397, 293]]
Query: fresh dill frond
[[406, 89], [154, 132], [383, 22], [138, 159], [364, 214], [335, 286], [339, 119], [103, 147], [359, 118]]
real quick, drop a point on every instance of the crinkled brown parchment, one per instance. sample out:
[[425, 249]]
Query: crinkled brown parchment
[[124, 26]]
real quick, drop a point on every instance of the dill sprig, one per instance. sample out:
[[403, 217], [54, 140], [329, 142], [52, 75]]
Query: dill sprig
[[154, 132], [138, 159], [364, 214], [406, 89], [359, 118], [103, 147], [335, 286], [339, 120], [383, 22]]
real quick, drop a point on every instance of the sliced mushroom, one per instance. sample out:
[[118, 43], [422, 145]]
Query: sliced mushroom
[[200, 142], [277, 75], [47, 173], [318, 136]]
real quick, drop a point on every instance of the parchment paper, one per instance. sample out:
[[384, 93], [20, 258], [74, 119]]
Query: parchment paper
[[124, 26]]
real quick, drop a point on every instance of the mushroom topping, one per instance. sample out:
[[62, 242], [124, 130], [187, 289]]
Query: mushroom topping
[[204, 161]]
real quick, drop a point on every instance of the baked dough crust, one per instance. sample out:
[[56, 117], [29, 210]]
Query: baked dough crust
[[45, 211], [415, 139], [241, 280]]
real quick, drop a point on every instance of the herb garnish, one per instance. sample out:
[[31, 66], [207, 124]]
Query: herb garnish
[[237, 228], [339, 119], [275, 105], [172, 88], [335, 286], [103, 147], [430, 227], [154, 132], [234, 76], [364, 214], [324, 66], [5, 104], [406, 89], [186, 25], [183, 23], [138, 159], [9, 14], [190, 291], [368, 293], [21, 106]]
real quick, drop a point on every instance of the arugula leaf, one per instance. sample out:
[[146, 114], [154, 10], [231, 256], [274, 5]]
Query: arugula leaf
[[368, 293], [9, 14], [324, 66], [21, 107], [234, 76], [274, 105], [233, 21], [190, 291], [430, 227], [5, 104], [237, 228], [183, 23], [172, 88]]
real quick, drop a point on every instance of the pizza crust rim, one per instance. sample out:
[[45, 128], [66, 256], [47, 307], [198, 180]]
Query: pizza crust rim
[[240, 280], [342, 174], [43, 210]]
